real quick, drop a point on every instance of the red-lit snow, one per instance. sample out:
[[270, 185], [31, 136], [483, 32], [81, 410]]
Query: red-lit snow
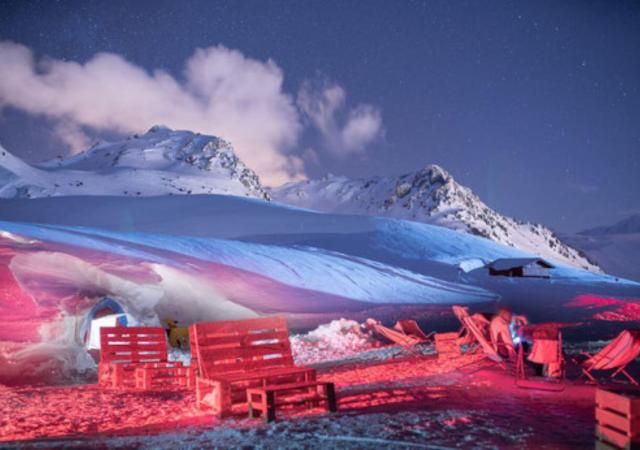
[[338, 339], [411, 401], [609, 308]]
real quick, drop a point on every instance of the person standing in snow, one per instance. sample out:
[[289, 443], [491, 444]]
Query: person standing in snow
[[501, 333]]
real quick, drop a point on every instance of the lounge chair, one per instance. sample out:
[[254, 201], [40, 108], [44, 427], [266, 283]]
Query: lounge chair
[[395, 336], [411, 328], [472, 328], [615, 356]]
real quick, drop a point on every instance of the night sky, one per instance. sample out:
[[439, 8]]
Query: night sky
[[533, 105]]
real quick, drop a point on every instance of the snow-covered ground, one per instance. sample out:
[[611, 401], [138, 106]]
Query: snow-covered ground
[[198, 258], [400, 401]]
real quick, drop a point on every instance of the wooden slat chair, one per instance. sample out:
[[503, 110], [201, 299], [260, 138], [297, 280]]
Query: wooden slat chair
[[411, 328], [397, 337], [614, 357], [232, 356], [137, 357], [472, 328]]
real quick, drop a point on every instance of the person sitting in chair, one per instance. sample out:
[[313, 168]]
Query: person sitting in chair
[[501, 333]]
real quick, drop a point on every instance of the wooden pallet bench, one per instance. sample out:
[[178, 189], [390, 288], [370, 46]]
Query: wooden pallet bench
[[233, 356], [130, 354], [618, 419], [267, 400]]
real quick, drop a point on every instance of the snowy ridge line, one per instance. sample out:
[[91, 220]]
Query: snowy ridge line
[[168, 162], [430, 195], [159, 162]]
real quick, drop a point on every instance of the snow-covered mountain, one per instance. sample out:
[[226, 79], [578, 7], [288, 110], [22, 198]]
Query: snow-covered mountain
[[430, 195], [168, 162], [159, 162], [615, 248], [629, 225]]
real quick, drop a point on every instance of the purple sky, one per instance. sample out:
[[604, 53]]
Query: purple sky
[[534, 105]]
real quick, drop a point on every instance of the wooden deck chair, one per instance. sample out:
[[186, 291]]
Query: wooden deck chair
[[546, 349], [397, 337], [411, 328], [615, 356], [467, 322]]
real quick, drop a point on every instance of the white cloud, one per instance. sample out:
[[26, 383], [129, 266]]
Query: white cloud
[[72, 135], [223, 93], [322, 104]]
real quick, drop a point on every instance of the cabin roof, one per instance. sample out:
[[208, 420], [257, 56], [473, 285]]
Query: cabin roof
[[512, 263]]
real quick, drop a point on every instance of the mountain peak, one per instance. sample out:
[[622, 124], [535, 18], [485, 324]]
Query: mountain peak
[[428, 195], [436, 174], [156, 128], [159, 162]]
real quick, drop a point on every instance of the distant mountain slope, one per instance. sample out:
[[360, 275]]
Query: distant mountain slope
[[615, 248], [167, 162], [628, 225], [430, 195], [160, 162]]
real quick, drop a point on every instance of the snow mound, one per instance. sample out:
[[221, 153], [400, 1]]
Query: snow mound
[[338, 339]]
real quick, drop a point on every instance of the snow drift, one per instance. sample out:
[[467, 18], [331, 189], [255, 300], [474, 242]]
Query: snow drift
[[199, 258]]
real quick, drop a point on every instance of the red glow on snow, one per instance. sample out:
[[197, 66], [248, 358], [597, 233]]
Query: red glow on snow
[[617, 310], [402, 385]]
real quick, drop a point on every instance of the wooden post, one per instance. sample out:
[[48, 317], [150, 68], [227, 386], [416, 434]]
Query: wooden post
[[270, 407], [331, 397]]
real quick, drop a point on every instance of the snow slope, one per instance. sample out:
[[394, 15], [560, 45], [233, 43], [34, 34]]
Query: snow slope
[[160, 162], [430, 195], [615, 248], [215, 257]]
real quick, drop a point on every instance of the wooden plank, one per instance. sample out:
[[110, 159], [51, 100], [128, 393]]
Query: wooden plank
[[236, 326], [613, 436], [302, 384], [206, 332], [615, 401], [128, 331], [240, 376], [242, 339], [243, 353], [248, 366], [135, 348], [622, 423], [134, 354], [214, 353]]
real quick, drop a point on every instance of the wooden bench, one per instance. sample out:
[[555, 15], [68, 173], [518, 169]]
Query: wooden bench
[[266, 400], [137, 357], [233, 356]]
